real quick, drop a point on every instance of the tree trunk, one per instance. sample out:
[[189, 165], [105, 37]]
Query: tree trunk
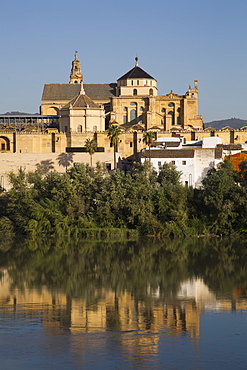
[[115, 152]]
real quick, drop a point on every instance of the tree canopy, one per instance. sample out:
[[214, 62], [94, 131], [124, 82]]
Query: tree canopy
[[89, 200]]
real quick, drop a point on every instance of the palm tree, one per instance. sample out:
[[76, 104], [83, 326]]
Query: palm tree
[[148, 137], [114, 133], [91, 146]]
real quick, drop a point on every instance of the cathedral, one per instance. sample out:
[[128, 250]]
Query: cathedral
[[132, 102], [74, 112]]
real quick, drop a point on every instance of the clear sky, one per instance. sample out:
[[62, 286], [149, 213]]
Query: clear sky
[[177, 42]]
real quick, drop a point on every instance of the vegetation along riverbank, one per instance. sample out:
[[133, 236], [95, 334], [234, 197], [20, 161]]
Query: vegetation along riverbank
[[93, 202]]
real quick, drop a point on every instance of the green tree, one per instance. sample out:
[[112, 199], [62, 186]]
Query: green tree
[[91, 146], [221, 198], [114, 133], [148, 137]]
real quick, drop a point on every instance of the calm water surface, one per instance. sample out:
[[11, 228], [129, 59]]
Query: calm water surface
[[124, 305]]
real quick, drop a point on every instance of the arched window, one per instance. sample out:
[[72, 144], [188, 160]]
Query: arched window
[[192, 95], [79, 128], [171, 105], [151, 92], [125, 116], [4, 143], [171, 113], [135, 92], [132, 115], [163, 110], [75, 82]]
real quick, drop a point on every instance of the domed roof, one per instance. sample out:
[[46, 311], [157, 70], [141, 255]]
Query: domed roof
[[81, 101], [136, 72]]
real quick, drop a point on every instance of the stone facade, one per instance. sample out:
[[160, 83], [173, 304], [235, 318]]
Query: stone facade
[[133, 99], [85, 110]]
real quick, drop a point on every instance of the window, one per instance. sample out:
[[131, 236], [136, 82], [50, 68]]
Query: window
[[183, 163], [134, 92], [94, 128], [173, 162], [133, 104], [186, 183], [178, 120], [171, 105], [79, 128], [192, 95], [132, 82], [171, 113], [151, 92], [108, 166], [2, 146], [124, 119], [159, 163], [131, 144], [141, 109], [132, 115], [163, 110], [125, 109], [137, 82]]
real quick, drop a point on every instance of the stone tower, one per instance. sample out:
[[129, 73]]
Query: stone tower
[[76, 74]]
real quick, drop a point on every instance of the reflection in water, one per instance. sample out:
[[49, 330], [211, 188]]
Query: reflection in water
[[141, 292]]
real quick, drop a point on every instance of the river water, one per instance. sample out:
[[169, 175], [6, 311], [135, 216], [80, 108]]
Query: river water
[[123, 304]]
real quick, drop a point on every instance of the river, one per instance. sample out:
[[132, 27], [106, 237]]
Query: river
[[117, 304]]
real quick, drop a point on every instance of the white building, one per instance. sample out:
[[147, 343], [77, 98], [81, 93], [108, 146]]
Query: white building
[[193, 159]]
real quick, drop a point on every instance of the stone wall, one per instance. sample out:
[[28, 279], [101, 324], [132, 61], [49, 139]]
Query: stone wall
[[12, 162]]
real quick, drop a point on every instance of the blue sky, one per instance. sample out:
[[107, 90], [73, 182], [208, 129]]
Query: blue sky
[[176, 42]]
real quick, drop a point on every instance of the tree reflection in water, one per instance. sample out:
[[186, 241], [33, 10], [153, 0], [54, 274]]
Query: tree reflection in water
[[142, 277]]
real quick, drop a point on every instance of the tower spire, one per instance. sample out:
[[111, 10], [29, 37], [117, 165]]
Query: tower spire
[[76, 73]]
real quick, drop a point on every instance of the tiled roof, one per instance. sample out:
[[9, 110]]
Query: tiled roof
[[136, 72], [170, 144], [100, 91], [168, 153], [82, 101], [230, 146], [173, 144], [69, 91]]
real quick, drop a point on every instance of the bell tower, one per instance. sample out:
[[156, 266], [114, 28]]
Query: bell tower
[[76, 74]]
